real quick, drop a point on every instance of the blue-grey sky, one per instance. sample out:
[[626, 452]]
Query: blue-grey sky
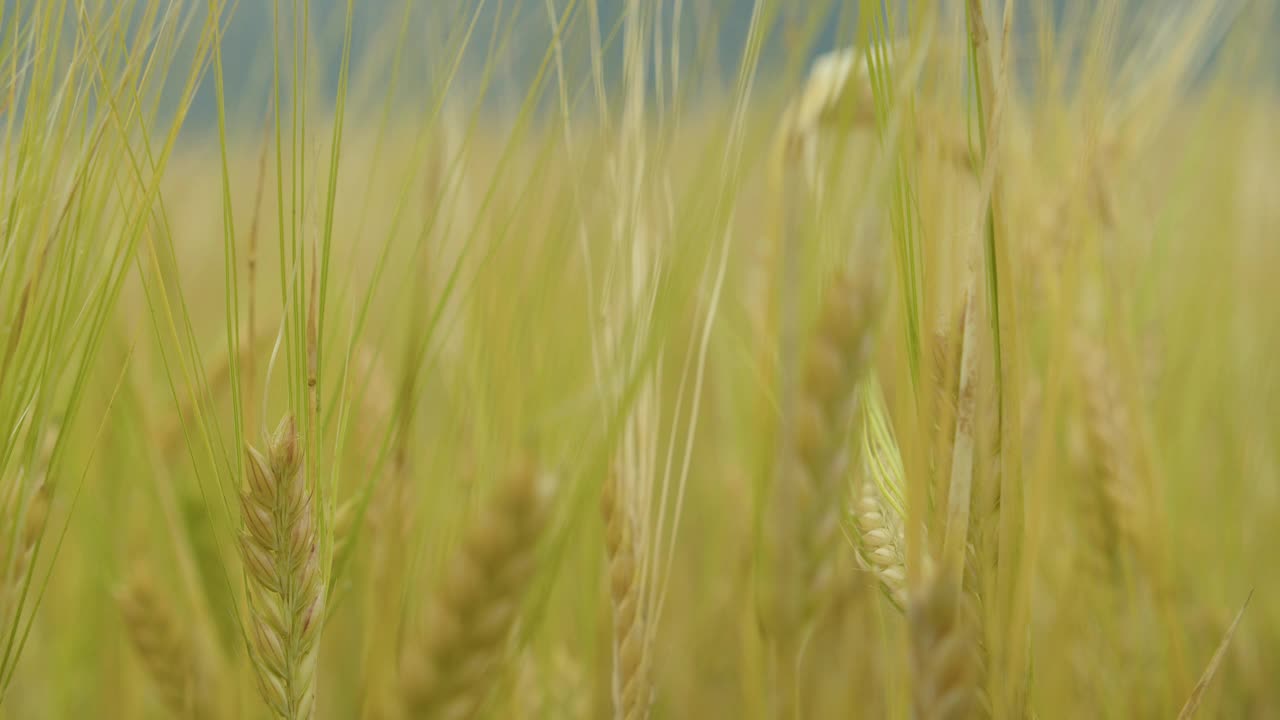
[[514, 33]]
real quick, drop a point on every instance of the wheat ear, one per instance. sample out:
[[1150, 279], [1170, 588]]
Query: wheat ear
[[29, 527], [447, 671], [943, 659], [879, 513], [23, 525], [165, 649], [631, 687], [1117, 492], [819, 450], [284, 584]]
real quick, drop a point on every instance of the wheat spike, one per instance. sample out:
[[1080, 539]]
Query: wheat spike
[[631, 688], [29, 527], [837, 361], [165, 649], [23, 525], [1109, 435], [878, 514], [284, 585], [838, 95], [943, 658], [447, 671]]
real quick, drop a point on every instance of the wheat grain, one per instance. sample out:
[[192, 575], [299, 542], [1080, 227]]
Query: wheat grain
[[881, 545], [878, 514]]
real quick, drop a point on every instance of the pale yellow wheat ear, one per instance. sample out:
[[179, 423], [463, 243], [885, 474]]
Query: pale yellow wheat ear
[[283, 576], [819, 451], [836, 92], [1119, 497], [838, 95], [808, 488], [449, 668], [24, 510], [166, 649], [24, 525], [943, 663], [879, 506], [632, 687]]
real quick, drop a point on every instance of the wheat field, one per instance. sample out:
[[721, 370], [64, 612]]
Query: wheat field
[[639, 359]]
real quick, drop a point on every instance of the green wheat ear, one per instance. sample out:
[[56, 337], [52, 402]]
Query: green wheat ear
[[284, 585]]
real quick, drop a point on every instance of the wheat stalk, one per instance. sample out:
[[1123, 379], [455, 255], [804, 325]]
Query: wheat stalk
[[1192, 705], [284, 583], [165, 648], [447, 671], [956, 406]]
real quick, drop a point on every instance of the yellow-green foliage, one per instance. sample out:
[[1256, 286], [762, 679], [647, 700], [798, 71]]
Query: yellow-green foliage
[[933, 377]]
